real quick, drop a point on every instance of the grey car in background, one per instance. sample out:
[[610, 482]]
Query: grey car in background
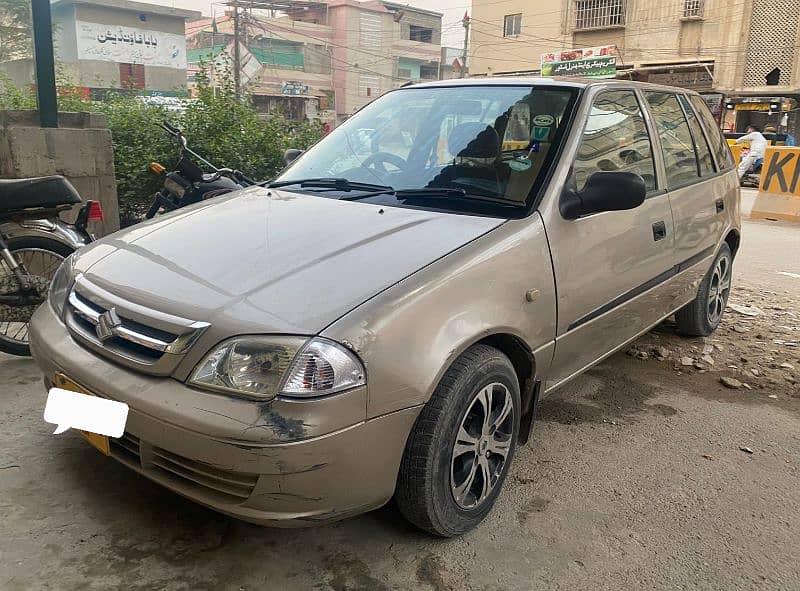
[[381, 320]]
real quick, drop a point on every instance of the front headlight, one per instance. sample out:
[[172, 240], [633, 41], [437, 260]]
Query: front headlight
[[263, 367], [60, 286]]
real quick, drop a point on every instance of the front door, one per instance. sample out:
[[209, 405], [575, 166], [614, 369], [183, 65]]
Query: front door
[[607, 265]]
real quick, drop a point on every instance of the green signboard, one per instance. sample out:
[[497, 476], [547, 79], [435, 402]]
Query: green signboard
[[593, 67]]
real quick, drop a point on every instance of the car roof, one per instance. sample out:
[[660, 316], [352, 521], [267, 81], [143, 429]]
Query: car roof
[[541, 81]]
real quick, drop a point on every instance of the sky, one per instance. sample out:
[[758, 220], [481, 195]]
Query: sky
[[452, 31]]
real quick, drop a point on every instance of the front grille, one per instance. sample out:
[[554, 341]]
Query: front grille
[[238, 485], [224, 485], [126, 448], [126, 331]]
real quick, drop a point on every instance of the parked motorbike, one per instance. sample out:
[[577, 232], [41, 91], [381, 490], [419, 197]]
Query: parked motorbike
[[752, 178], [34, 240], [188, 183]]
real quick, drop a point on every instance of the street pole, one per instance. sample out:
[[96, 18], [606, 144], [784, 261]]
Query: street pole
[[45, 63], [237, 58], [465, 22]]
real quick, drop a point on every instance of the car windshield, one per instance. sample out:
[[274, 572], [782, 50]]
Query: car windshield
[[453, 148]]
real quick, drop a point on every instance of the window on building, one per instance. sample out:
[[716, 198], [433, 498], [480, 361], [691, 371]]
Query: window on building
[[615, 138], [593, 14], [704, 160], [368, 85], [512, 25], [369, 30], [131, 76], [423, 34], [680, 159], [692, 8]]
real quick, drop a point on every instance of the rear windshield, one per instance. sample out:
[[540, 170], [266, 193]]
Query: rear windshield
[[493, 143]]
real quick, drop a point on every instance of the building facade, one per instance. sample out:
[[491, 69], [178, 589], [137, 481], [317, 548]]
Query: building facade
[[116, 45], [322, 60], [745, 56]]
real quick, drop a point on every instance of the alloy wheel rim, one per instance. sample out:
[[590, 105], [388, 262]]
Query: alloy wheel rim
[[482, 445], [718, 290], [39, 262]]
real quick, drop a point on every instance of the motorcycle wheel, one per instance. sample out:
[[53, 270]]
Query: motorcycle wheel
[[41, 257]]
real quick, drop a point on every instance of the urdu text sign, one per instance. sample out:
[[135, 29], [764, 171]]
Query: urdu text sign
[[593, 67], [127, 45]]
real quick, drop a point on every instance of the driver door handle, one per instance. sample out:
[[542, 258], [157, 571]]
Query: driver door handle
[[659, 231]]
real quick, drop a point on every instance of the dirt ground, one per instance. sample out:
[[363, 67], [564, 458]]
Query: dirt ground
[[636, 478]]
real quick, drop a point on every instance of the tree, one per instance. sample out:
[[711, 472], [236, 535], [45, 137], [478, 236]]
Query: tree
[[15, 30]]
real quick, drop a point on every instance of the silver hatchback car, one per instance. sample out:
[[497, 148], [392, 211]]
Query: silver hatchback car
[[381, 320]]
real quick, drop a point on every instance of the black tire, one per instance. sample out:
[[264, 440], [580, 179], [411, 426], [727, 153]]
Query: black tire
[[425, 491], [14, 346], [696, 319]]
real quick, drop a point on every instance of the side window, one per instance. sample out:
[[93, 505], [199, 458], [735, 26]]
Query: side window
[[680, 159], [704, 159], [714, 134], [615, 138]]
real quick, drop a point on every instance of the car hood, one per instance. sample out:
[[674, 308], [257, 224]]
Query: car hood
[[263, 260]]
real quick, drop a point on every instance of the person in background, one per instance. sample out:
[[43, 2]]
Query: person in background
[[758, 145]]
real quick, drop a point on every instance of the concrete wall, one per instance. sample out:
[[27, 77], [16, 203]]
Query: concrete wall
[[80, 149], [19, 71]]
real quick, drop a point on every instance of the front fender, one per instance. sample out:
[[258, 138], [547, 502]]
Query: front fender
[[409, 334]]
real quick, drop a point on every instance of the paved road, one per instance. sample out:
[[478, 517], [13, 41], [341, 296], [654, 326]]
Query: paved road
[[634, 479]]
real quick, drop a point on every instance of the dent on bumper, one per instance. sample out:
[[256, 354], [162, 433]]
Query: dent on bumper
[[261, 479]]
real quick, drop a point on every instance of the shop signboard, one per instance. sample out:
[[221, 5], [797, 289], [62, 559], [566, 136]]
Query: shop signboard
[[127, 45], [294, 88], [589, 62]]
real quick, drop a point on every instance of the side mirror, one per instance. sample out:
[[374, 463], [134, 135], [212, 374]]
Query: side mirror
[[291, 155], [603, 191]]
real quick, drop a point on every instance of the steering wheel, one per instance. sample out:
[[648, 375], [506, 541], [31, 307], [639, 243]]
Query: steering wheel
[[379, 160]]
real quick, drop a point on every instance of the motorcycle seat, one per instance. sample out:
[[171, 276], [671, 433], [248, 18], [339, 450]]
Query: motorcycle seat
[[40, 192]]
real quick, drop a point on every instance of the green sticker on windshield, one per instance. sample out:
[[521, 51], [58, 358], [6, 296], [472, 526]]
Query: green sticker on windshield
[[520, 164], [541, 133]]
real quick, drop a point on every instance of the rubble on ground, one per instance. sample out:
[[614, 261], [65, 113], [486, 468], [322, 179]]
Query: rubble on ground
[[755, 347]]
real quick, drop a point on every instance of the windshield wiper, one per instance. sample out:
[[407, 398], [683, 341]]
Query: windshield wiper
[[433, 193], [332, 183], [402, 194]]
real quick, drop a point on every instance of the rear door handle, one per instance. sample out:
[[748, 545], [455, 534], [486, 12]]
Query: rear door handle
[[720, 205], [659, 231]]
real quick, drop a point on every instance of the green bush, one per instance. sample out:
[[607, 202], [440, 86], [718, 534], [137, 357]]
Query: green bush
[[224, 129]]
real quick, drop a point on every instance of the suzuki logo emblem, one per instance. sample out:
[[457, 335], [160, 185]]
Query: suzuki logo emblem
[[107, 323]]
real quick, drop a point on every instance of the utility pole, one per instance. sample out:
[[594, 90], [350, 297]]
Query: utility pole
[[45, 63], [465, 21], [237, 58]]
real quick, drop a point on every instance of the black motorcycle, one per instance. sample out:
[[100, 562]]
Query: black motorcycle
[[188, 183], [752, 178], [34, 240]]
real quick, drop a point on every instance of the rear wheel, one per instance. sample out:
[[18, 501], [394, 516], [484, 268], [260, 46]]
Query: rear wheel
[[41, 258], [459, 452], [702, 316]]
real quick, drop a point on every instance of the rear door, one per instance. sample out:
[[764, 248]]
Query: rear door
[[608, 265], [696, 184]]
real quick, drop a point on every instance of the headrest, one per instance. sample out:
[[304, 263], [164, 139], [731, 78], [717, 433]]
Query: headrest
[[474, 140]]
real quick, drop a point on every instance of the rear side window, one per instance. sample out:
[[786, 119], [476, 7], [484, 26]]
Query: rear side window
[[680, 159], [714, 134], [704, 159], [615, 138]]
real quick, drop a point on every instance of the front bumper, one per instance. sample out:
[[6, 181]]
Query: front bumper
[[269, 469]]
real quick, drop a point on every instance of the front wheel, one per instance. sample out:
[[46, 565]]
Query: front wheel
[[459, 452], [40, 257], [702, 316]]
